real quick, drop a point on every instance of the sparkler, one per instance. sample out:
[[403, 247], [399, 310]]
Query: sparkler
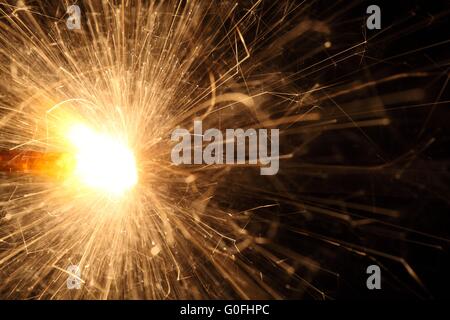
[[85, 137], [97, 161], [35, 162]]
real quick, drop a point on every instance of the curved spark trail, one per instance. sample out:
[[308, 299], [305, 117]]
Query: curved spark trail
[[137, 70]]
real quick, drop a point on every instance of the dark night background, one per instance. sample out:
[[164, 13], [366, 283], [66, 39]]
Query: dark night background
[[422, 193], [415, 146]]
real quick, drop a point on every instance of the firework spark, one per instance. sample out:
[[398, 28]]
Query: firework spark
[[95, 108]]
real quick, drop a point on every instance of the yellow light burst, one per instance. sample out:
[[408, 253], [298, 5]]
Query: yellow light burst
[[102, 162]]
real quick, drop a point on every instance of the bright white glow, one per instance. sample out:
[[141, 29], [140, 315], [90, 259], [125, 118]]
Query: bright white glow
[[102, 162]]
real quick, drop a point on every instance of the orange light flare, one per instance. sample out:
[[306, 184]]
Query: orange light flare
[[47, 164]]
